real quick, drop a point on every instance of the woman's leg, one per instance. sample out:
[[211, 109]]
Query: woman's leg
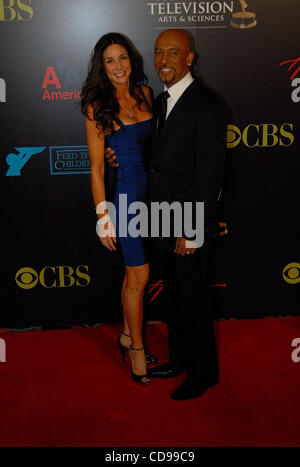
[[132, 296], [125, 339]]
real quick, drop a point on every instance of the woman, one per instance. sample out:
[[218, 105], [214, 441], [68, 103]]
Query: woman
[[117, 106]]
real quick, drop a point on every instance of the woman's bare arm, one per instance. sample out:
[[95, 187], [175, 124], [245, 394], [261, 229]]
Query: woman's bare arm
[[96, 141]]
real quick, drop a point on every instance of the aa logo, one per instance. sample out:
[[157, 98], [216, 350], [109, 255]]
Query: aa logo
[[61, 82], [291, 273], [17, 161]]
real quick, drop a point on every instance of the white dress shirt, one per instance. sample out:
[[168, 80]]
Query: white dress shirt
[[176, 92]]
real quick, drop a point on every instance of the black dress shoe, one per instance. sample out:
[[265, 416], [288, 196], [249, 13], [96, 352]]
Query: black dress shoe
[[167, 371], [190, 390]]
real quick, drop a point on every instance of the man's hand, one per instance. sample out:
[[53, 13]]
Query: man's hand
[[180, 247], [111, 157]]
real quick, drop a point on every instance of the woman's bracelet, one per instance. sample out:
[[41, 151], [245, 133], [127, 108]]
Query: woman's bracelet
[[103, 219]]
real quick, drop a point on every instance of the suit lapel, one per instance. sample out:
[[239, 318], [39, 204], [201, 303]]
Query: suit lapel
[[179, 112]]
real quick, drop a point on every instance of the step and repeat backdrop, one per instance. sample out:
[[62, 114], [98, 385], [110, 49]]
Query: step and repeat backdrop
[[54, 270]]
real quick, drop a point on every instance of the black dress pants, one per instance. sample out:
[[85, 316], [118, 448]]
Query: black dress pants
[[191, 336]]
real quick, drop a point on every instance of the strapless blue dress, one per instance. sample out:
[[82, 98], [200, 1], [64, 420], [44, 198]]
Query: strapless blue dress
[[131, 144]]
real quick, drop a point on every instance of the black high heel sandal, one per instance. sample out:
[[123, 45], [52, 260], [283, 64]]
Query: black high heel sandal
[[122, 347], [150, 359], [139, 378]]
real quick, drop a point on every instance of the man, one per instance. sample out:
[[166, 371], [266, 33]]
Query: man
[[186, 164]]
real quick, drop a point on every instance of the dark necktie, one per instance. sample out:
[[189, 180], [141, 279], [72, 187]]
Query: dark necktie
[[161, 103]]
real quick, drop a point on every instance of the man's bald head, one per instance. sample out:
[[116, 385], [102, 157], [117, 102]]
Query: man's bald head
[[181, 34], [173, 55]]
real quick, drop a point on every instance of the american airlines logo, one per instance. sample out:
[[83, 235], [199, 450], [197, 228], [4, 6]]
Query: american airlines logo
[[2, 90], [61, 83]]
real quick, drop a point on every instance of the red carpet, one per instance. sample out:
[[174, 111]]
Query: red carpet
[[70, 388]]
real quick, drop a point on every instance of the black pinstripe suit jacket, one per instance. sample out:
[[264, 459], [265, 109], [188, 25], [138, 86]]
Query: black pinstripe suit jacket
[[187, 160]]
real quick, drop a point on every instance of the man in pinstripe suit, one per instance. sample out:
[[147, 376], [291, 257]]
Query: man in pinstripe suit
[[187, 164]]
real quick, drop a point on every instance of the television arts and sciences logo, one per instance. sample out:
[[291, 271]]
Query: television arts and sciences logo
[[291, 273], [190, 14], [207, 14], [16, 10], [69, 160], [53, 276], [2, 90]]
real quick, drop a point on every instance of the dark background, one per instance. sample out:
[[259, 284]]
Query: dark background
[[49, 220]]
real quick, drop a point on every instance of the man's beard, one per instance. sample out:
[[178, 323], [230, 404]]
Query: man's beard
[[167, 79]]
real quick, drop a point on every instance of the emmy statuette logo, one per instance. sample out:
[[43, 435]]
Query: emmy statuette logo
[[243, 19]]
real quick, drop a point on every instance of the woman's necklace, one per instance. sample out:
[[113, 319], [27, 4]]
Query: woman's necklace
[[128, 111]]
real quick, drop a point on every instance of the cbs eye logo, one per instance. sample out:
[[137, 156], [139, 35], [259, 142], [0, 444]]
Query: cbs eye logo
[[53, 276], [27, 278], [291, 273], [262, 135]]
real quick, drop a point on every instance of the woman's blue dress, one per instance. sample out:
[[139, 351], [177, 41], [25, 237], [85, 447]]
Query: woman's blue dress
[[131, 144]]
